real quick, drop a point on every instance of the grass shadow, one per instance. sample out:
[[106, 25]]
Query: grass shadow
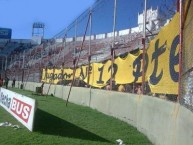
[[46, 123]]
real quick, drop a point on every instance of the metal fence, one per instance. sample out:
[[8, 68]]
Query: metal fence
[[105, 24], [116, 21], [187, 59]]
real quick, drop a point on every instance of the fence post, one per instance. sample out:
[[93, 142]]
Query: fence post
[[144, 49], [180, 49]]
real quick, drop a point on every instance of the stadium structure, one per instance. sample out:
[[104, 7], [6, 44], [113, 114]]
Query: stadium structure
[[158, 51], [40, 53]]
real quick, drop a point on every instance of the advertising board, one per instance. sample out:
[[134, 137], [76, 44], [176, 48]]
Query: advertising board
[[19, 106]]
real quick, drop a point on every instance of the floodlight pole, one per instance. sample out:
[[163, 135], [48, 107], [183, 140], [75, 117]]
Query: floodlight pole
[[144, 49], [113, 45]]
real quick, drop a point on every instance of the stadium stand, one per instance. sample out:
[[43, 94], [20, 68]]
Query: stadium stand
[[26, 62]]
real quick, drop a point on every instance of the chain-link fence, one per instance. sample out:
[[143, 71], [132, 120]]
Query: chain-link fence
[[106, 40], [187, 59]]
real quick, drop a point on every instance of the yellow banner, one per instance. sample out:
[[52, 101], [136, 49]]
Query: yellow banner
[[125, 70], [163, 59], [161, 65], [55, 76]]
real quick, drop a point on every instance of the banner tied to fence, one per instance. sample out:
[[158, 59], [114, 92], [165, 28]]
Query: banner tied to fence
[[161, 65]]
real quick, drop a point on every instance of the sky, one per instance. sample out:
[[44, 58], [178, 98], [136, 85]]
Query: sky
[[19, 15]]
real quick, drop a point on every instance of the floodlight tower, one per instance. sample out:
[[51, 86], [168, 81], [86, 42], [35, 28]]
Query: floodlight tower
[[38, 29]]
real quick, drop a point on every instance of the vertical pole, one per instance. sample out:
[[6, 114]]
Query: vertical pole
[[90, 31], [23, 59], [75, 37], [133, 91], [41, 57], [46, 72], [14, 59], [43, 31], [19, 60], [49, 53], [114, 20], [89, 52], [34, 66], [5, 63], [40, 76], [76, 62], [17, 77], [14, 72], [180, 50], [32, 30], [62, 73], [112, 49], [11, 59], [144, 49], [22, 77], [62, 83], [64, 47], [23, 70], [30, 56], [36, 50], [2, 64], [54, 54]]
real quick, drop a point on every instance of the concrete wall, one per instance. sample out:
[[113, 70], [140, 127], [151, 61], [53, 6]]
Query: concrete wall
[[111, 34], [79, 38], [124, 32], [163, 122], [88, 37], [101, 36]]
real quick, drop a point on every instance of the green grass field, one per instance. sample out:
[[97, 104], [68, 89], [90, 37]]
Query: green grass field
[[56, 124]]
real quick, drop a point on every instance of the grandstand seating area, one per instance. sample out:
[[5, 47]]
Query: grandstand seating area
[[26, 61]]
